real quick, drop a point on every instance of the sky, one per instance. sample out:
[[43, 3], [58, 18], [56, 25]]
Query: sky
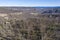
[[28, 3]]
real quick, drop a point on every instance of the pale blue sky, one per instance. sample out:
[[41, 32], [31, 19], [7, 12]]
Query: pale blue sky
[[29, 2]]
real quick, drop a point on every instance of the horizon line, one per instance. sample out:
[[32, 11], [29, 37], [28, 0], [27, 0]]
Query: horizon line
[[29, 6]]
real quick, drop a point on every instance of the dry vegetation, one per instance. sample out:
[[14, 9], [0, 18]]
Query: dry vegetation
[[25, 26]]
